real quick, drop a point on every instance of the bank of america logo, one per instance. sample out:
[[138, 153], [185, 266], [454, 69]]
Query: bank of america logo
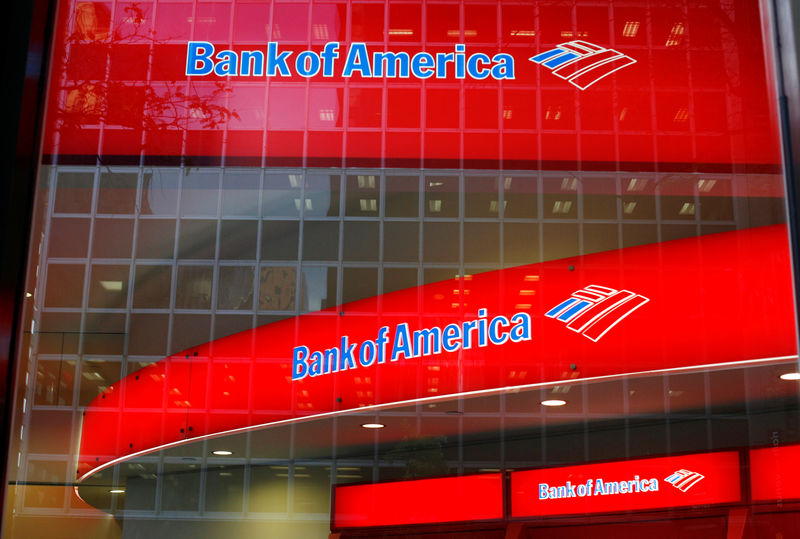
[[594, 310], [683, 480], [581, 63]]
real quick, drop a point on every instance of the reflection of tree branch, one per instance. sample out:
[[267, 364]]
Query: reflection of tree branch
[[92, 101]]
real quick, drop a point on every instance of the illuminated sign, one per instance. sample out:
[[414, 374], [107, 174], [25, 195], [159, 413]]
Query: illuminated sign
[[201, 60], [245, 380], [411, 344], [179, 84], [582, 63], [594, 310], [657, 483], [421, 501], [774, 473]]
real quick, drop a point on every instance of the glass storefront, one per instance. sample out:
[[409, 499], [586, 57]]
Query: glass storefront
[[377, 269]]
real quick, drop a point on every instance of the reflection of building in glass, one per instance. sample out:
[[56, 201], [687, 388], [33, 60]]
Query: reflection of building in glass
[[142, 263], [154, 236]]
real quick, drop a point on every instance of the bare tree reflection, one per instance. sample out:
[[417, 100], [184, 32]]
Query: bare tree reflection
[[91, 97]]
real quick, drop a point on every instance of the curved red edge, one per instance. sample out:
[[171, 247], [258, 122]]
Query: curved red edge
[[714, 299]]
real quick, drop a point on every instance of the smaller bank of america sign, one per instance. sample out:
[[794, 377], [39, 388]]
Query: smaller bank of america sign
[[594, 310], [582, 63], [683, 480]]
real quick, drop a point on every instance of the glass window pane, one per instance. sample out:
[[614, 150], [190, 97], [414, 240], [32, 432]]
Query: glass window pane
[[197, 239], [441, 196], [200, 192], [113, 238], [402, 196], [361, 241], [277, 289], [155, 238], [117, 193], [281, 195], [321, 240], [235, 287], [363, 195], [152, 287], [240, 192], [69, 238], [238, 240], [322, 195], [481, 197], [521, 197], [160, 191], [318, 288], [74, 192], [108, 287], [194, 287], [279, 240]]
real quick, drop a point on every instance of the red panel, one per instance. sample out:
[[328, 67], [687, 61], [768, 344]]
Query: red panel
[[690, 307], [132, 72], [659, 483], [423, 501], [774, 473]]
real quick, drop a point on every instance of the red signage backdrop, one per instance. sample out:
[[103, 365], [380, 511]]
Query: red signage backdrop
[[631, 485], [695, 98], [774, 474], [423, 501]]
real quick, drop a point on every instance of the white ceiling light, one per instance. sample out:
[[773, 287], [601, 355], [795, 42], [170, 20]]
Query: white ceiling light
[[553, 402]]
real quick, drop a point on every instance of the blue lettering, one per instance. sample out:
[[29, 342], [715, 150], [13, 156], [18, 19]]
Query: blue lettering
[[228, 65], [388, 62], [427, 339], [468, 327], [441, 63], [357, 60], [254, 58], [367, 354], [452, 332], [543, 491], [329, 53], [422, 65], [381, 342], [299, 367], [316, 364], [332, 360], [307, 63], [402, 343], [277, 62], [476, 71], [346, 359], [504, 68], [460, 59], [199, 52], [494, 334], [482, 327], [522, 328]]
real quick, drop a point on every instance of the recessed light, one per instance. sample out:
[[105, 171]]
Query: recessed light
[[117, 491], [791, 376], [222, 453], [553, 402], [373, 425]]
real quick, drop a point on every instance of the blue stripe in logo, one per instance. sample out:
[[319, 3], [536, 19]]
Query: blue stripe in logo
[[572, 311]]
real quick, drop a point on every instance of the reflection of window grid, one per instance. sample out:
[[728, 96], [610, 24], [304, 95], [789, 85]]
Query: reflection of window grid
[[82, 310], [312, 128], [576, 189]]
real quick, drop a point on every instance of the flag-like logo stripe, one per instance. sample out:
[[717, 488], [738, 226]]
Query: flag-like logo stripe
[[683, 480], [594, 310], [582, 63]]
